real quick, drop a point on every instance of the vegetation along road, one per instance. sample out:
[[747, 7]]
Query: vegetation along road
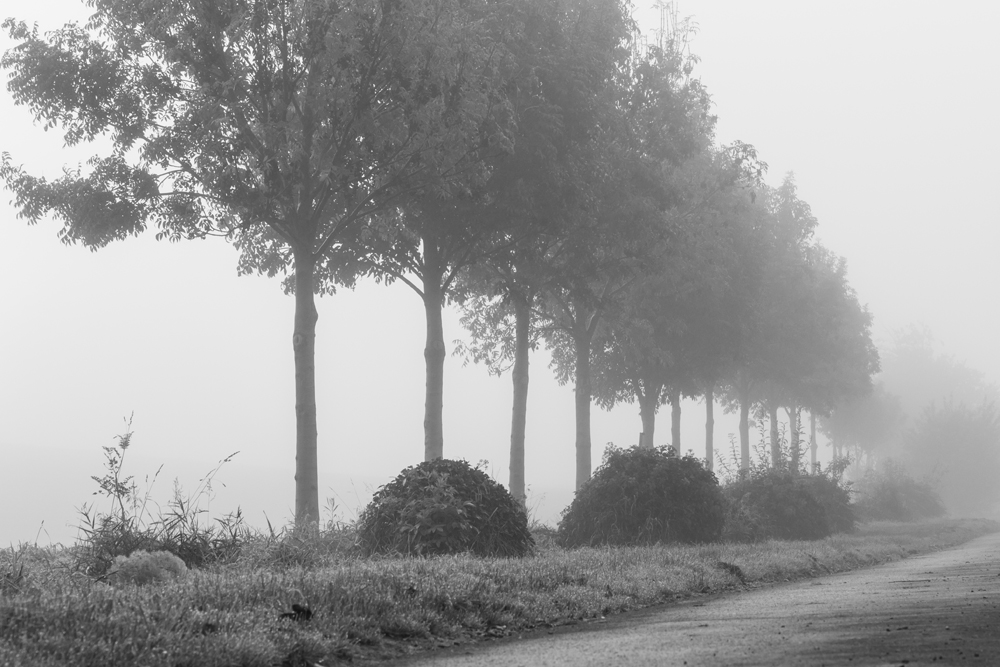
[[940, 608]]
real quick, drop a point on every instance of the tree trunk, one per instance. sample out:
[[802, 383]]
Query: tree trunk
[[519, 416], [793, 428], [812, 442], [649, 401], [583, 395], [772, 413], [434, 355], [304, 348], [675, 421], [710, 428], [744, 429]]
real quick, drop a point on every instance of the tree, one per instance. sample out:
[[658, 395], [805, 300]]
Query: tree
[[279, 125], [674, 336], [841, 357], [864, 423], [959, 445], [919, 375], [450, 248], [808, 342], [570, 51], [660, 117]]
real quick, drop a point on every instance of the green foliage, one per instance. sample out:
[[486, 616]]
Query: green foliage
[[776, 504], [889, 493], [645, 496], [444, 507], [129, 526]]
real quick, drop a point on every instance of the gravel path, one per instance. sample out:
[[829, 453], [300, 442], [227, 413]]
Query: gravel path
[[940, 608]]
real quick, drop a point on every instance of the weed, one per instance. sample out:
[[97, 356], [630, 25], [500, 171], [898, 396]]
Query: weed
[[129, 525]]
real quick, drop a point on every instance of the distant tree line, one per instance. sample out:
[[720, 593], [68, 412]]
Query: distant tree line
[[525, 159], [929, 415]]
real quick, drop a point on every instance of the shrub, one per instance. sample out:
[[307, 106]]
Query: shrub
[[145, 567], [891, 494], [643, 496], [835, 499], [444, 507], [777, 504]]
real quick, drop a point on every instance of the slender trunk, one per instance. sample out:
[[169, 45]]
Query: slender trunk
[[772, 413], [583, 396], [793, 428], [434, 355], [744, 429], [812, 442], [710, 428], [675, 421], [649, 401], [304, 348], [522, 331]]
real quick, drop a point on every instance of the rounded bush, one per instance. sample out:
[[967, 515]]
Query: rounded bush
[[444, 507], [777, 504], [645, 496]]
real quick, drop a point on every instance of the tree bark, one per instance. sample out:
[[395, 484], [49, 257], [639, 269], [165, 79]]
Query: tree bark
[[649, 401], [744, 429], [304, 349], [434, 355], [772, 413], [812, 443], [519, 413], [710, 428], [793, 428], [583, 396], [675, 421]]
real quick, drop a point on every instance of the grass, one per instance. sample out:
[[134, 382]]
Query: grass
[[230, 613]]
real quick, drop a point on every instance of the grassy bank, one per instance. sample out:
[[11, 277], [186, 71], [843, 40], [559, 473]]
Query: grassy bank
[[378, 608]]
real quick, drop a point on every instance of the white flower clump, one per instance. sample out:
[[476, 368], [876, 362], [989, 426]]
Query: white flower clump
[[144, 567]]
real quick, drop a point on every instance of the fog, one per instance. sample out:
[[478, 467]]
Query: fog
[[886, 112]]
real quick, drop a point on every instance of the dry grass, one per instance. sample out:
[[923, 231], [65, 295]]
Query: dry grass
[[52, 614]]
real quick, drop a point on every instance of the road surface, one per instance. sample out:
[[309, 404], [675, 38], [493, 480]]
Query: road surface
[[939, 609]]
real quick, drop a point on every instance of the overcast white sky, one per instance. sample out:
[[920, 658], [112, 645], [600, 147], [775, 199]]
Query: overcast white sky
[[886, 112]]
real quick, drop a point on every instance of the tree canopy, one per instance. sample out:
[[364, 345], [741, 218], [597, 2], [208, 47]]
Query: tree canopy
[[279, 125], [528, 159]]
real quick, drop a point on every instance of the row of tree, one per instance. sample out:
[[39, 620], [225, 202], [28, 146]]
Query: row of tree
[[930, 414], [521, 157]]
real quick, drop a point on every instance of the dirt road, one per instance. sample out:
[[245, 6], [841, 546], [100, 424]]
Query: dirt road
[[941, 608]]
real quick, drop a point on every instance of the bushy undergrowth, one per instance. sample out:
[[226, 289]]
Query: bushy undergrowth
[[891, 494], [776, 504], [644, 496], [129, 526], [444, 507]]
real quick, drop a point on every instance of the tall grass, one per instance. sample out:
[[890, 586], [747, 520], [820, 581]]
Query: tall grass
[[239, 612]]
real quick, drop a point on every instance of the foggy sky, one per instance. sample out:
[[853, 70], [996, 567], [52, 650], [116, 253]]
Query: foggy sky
[[886, 112]]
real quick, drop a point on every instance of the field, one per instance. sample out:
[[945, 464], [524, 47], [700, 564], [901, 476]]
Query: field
[[362, 609]]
